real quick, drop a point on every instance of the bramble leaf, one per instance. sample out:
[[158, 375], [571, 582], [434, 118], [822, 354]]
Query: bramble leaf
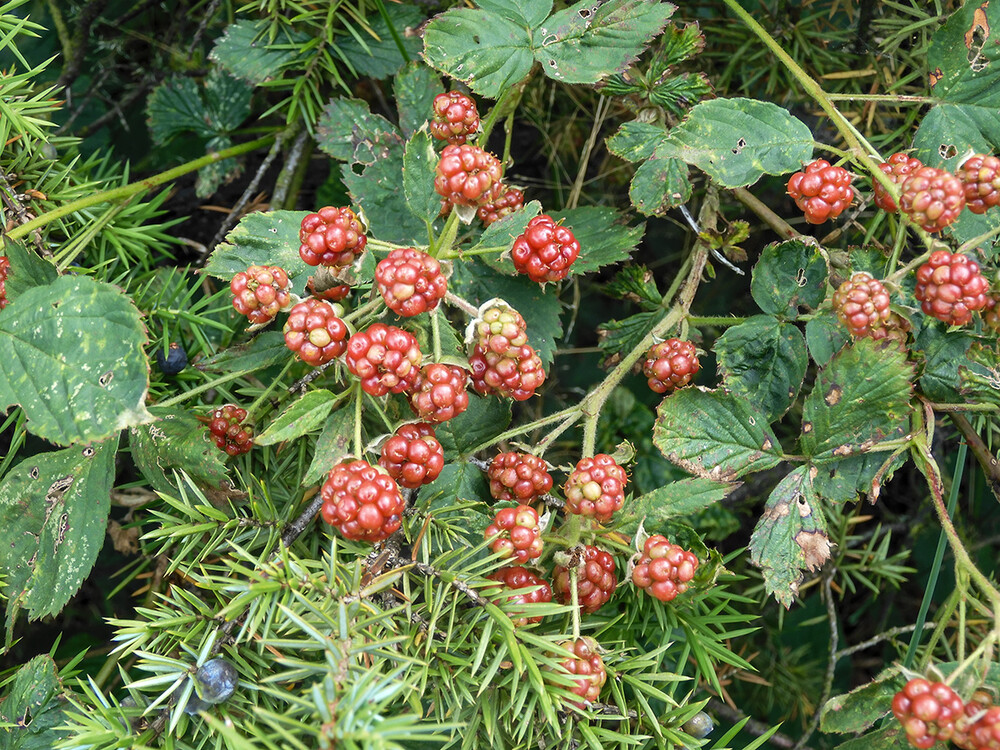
[[34, 705], [380, 57], [176, 440], [859, 709], [332, 445], [681, 498], [305, 415], [825, 336], [71, 355], [660, 183], [415, 87], [603, 236], [419, 164], [27, 270], [268, 238], [788, 275], [484, 418], [347, 127], [377, 192], [244, 51]]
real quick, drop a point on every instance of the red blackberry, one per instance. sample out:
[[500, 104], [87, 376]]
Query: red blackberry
[[821, 191], [927, 711], [260, 292], [413, 456], [978, 715], [515, 533], [331, 237], [505, 204], [950, 287], [862, 304], [932, 198], [670, 364], [454, 117], [991, 316], [386, 358], [228, 431], [500, 328], [314, 332], [897, 169], [980, 175], [4, 270], [517, 374], [362, 501], [587, 669], [595, 580], [545, 251], [439, 392], [596, 487], [518, 477], [664, 570], [514, 578], [468, 176], [410, 281]]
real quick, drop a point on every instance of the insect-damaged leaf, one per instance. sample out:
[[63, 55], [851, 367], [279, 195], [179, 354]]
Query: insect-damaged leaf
[[862, 707], [714, 434], [53, 510], [34, 705], [787, 275], [790, 538], [264, 239], [176, 440]]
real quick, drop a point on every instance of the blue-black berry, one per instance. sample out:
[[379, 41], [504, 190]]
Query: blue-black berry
[[215, 681], [175, 361]]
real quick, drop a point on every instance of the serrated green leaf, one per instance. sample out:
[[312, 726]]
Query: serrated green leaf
[[212, 176], [244, 51], [460, 482], [860, 398], [377, 192], [737, 141], [979, 374], [788, 275], [603, 234], [486, 50], [891, 738], [379, 57], [714, 434], [54, 510], [495, 243], [825, 336], [764, 360], [636, 283], [419, 168], [539, 305], [859, 709], [588, 41], [415, 87], [677, 45], [790, 538], [840, 480], [261, 351], [26, 270], [660, 183], [636, 141], [263, 238], [33, 704], [227, 101], [677, 93], [303, 416], [72, 356], [620, 336], [484, 419], [176, 441], [684, 497], [527, 13], [176, 106], [944, 352], [347, 129], [332, 445]]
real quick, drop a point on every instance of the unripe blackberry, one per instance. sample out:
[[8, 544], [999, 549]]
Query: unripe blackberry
[[517, 374], [991, 315], [500, 328], [331, 237], [314, 332], [862, 304], [950, 287], [514, 578], [980, 175], [410, 281], [228, 431], [386, 358], [515, 533], [670, 364], [454, 118], [545, 251], [518, 477], [412, 456], [596, 580], [468, 176], [932, 198], [439, 394], [362, 501], [596, 487], [821, 191], [509, 200], [664, 570], [898, 168], [927, 711], [587, 668], [260, 292]]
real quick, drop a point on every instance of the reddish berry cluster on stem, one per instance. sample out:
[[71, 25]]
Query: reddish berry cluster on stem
[[314, 332], [862, 304], [980, 175], [514, 578], [898, 168], [596, 580], [545, 251], [386, 358], [664, 570], [821, 191], [331, 237], [587, 668], [978, 728], [932, 198], [670, 365], [596, 487], [4, 270], [410, 281], [413, 456], [362, 501], [468, 176], [950, 287], [439, 394], [927, 711], [509, 200], [515, 533], [502, 362], [260, 292], [454, 117], [228, 431], [518, 477]]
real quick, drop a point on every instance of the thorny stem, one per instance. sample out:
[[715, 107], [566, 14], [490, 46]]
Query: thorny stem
[[975, 242], [987, 461], [133, 188]]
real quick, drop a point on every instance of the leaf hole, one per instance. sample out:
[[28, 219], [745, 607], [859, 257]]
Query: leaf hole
[[105, 379], [88, 452], [550, 39], [33, 473], [740, 145], [752, 421], [800, 277], [947, 151], [475, 38]]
